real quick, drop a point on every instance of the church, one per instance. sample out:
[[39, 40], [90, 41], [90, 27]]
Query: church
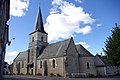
[[62, 58]]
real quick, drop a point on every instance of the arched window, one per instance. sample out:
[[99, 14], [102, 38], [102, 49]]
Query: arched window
[[88, 66], [53, 63], [28, 55], [22, 64], [42, 38], [40, 64]]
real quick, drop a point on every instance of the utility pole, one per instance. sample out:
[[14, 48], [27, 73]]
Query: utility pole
[[4, 31]]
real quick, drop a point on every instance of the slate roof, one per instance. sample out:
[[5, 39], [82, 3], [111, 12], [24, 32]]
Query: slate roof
[[21, 56], [83, 52], [55, 50], [103, 59], [39, 22]]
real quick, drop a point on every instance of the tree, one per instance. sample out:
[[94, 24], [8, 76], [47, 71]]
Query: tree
[[112, 47]]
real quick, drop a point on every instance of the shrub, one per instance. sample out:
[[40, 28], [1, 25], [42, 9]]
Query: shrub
[[58, 75], [21, 73], [51, 74], [39, 74], [91, 75], [13, 73]]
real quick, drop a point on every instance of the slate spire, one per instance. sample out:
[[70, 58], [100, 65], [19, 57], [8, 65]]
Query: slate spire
[[39, 22]]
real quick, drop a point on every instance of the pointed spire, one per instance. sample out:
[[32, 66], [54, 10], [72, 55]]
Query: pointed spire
[[39, 22]]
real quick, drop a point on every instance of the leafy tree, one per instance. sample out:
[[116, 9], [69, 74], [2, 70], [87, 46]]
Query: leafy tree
[[112, 46]]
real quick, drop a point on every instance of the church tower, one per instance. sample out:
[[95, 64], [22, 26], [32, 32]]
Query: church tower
[[37, 42], [38, 36]]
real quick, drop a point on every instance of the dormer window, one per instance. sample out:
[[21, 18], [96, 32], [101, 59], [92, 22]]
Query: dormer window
[[32, 39]]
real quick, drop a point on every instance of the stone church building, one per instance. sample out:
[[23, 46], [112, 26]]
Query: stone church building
[[62, 58]]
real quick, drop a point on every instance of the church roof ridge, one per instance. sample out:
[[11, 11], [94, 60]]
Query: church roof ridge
[[60, 41], [55, 49]]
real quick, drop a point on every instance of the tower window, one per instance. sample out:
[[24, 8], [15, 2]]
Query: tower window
[[88, 65], [40, 64], [53, 63], [32, 39], [42, 38]]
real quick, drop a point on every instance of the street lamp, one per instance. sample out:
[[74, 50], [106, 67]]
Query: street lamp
[[9, 42]]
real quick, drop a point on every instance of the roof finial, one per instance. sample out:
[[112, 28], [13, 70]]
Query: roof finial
[[39, 4]]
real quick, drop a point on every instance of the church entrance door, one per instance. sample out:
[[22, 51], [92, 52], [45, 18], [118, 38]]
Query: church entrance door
[[18, 68], [45, 68], [31, 71]]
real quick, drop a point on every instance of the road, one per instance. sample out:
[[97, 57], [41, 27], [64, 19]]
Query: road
[[15, 77]]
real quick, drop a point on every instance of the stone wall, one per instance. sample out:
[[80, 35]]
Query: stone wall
[[112, 70], [101, 71], [84, 61], [57, 71], [14, 68], [19, 68], [72, 59], [37, 36]]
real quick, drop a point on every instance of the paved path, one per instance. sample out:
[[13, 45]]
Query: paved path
[[15, 77]]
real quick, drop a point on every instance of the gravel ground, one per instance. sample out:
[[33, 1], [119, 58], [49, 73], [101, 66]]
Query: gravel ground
[[16, 77]]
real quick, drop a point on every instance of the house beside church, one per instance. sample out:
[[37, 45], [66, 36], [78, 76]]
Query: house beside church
[[103, 68], [62, 58]]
